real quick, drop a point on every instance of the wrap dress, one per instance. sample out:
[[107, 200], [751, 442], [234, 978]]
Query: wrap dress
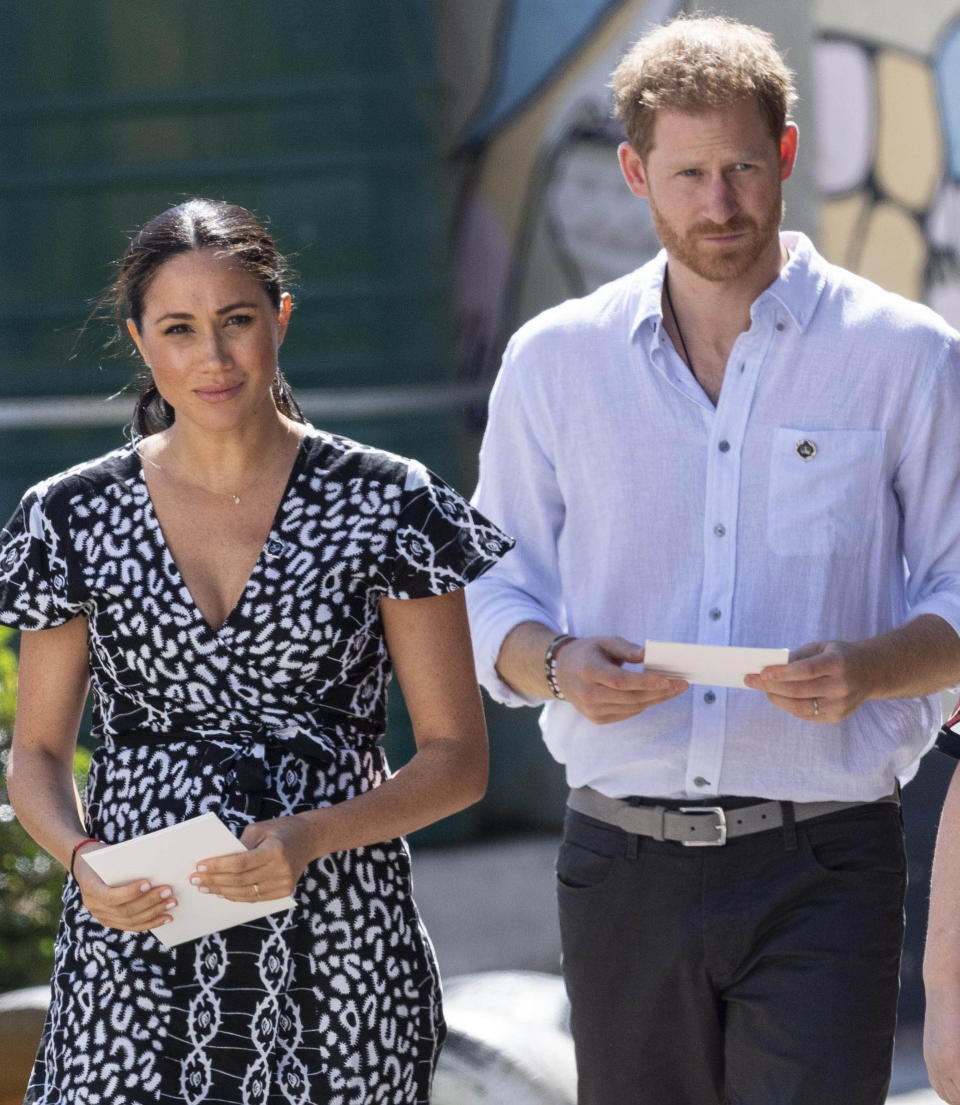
[[278, 710]]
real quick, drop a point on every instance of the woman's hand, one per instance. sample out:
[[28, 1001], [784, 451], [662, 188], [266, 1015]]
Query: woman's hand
[[278, 851], [134, 907], [940, 1035]]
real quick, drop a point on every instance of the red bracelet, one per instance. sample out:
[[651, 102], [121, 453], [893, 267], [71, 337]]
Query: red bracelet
[[78, 846]]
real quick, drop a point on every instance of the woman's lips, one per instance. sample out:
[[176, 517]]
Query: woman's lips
[[217, 394]]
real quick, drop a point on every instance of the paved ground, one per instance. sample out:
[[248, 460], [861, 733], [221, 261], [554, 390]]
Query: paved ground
[[491, 907]]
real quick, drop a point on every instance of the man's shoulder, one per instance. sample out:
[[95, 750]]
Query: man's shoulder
[[863, 304], [610, 310]]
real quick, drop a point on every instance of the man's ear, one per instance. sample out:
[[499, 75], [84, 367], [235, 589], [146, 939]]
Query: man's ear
[[633, 170], [788, 149]]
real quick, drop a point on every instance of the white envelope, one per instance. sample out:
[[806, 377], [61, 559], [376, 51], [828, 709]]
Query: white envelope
[[169, 857], [714, 665]]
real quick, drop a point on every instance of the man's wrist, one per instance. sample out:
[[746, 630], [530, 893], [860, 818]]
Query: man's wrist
[[550, 663]]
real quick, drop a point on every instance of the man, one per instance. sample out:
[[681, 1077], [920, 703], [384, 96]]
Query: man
[[738, 444]]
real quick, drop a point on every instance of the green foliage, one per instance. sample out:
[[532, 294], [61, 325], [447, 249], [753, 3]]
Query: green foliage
[[30, 880]]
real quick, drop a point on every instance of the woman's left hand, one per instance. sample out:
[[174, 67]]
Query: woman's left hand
[[278, 851]]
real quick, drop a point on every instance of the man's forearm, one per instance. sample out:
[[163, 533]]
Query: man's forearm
[[520, 660], [920, 658]]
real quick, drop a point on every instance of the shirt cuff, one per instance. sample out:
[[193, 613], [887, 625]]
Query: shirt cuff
[[489, 632]]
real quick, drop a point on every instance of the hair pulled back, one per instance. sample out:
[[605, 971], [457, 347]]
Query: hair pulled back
[[231, 231]]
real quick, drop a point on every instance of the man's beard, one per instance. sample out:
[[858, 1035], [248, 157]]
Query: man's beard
[[719, 263]]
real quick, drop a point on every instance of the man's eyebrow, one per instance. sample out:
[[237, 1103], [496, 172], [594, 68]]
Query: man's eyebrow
[[222, 311]]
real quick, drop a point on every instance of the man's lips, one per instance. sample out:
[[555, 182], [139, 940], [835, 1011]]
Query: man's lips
[[217, 394]]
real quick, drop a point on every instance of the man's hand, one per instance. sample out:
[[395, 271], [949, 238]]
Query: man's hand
[[824, 681], [591, 676]]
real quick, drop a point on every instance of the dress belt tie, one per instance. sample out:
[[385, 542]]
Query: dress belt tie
[[246, 761]]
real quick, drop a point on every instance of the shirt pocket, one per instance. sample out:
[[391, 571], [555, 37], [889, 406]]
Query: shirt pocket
[[824, 490]]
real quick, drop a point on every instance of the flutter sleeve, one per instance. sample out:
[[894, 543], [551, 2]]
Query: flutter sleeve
[[38, 588], [441, 541]]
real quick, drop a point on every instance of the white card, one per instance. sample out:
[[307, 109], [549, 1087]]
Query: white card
[[714, 665], [169, 857]]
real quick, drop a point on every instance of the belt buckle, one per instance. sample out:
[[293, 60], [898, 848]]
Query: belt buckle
[[721, 826]]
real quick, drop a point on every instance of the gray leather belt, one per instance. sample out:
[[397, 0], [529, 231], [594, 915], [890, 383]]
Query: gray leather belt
[[698, 826]]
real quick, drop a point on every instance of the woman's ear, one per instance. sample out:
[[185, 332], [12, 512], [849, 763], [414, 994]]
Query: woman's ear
[[283, 316], [137, 340]]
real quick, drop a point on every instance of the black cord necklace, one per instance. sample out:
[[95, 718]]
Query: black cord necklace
[[676, 322]]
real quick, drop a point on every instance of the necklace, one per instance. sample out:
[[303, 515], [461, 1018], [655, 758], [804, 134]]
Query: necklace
[[235, 495], [676, 322]]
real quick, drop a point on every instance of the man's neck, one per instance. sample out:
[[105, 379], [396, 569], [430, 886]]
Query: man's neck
[[721, 308]]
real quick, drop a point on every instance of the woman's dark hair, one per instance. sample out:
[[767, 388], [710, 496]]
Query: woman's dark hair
[[232, 232]]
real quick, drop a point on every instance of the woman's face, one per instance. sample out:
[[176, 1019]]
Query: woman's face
[[210, 335]]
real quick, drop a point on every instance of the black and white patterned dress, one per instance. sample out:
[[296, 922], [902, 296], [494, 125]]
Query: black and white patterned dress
[[280, 710]]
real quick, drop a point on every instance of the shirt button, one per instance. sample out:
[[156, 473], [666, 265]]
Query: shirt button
[[780, 326], [701, 782], [709, 698], [720, 531], [724, 446], [715, 614]]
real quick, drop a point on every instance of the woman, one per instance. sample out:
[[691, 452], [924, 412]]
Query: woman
[[235, 585]]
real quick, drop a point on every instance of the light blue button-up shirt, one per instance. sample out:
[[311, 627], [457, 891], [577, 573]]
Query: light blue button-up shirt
[[819, 499]]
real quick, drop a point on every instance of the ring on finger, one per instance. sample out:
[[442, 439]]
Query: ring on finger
[[816, 707], [256, 891]]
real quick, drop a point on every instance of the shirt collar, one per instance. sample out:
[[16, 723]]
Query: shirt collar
[[797, 288], [801, 281]]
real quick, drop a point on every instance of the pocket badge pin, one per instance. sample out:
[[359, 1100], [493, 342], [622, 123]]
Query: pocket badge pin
[[805, 450]]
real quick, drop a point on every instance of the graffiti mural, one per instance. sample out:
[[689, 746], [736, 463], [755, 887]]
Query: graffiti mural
[[543, 213], [887, 99]]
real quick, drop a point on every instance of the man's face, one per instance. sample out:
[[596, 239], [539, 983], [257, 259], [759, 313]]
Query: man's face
[[713, 182]]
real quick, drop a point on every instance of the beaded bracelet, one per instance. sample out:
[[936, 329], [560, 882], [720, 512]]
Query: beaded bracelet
[[77, 847], [550, 663]]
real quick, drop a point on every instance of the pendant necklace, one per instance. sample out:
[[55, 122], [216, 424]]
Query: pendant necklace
[[676, 322], [235, 495]]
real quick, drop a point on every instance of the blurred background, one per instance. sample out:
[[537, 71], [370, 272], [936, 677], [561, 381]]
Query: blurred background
[[441, 170]]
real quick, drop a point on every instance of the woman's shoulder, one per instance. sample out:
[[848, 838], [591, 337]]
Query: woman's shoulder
[[335, 457], [87, 479]]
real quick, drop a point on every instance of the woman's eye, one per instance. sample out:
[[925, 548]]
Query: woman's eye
[[177, 328], [239, 320]]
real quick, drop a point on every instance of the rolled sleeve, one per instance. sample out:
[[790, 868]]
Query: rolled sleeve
[[928, 485], [518, 491]]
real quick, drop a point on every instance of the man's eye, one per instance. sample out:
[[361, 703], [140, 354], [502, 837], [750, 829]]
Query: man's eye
[[690, 172]]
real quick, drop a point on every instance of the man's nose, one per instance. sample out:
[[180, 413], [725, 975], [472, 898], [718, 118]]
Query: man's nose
[[721, 201]]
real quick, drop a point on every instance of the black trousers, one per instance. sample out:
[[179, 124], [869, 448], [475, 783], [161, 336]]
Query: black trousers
[[764, 971]]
